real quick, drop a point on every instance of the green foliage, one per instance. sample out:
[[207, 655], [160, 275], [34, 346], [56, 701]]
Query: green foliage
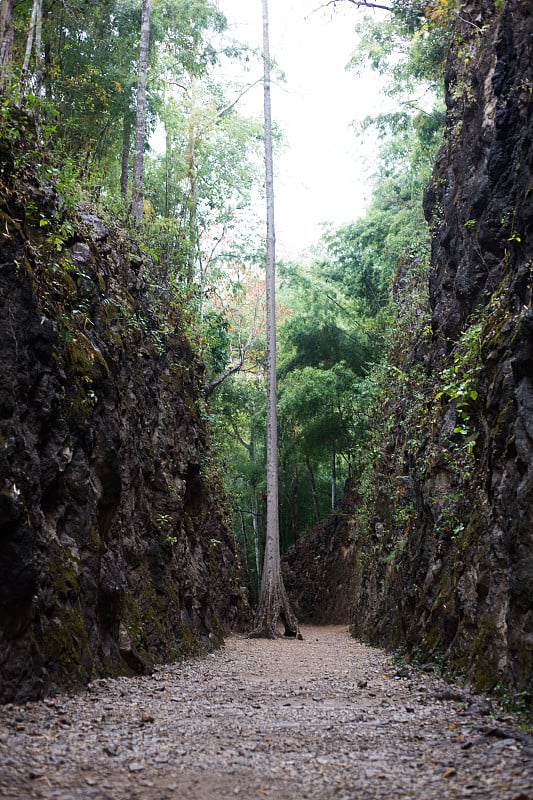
[[217, 342], [410, 45], [88, 71], [180, 26], [165, 525], [204, 177], [31, 160], [336, 313], [237, 413], [459, 381]]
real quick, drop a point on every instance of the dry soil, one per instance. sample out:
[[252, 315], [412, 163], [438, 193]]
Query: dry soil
[[327, 717]]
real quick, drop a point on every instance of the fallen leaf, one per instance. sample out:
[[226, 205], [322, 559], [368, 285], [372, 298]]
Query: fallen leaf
[[449, 773]]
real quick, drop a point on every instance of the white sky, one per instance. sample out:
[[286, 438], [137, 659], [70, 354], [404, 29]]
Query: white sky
[[323, 173]]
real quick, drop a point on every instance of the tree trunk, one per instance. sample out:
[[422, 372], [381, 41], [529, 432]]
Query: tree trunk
[[313, 487], [295, 506], [192, 250], [125, 163], [333, 478], [38, 46], [256, 524], [168, 151], [243, 529], [273, 604], [34, 34], [140, 125], [7, 35]]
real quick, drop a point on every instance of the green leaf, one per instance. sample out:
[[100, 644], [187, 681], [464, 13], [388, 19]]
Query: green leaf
[[461, 429]]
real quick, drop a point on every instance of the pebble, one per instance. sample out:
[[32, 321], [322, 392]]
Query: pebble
[[327, 718]]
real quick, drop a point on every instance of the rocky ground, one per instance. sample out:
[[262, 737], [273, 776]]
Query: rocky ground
[[324, 718]]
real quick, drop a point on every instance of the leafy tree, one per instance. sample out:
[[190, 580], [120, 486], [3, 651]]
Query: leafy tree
[[90, 73], [325, 350], [205, 175], [233, 334], [315, 407], [238, 413]]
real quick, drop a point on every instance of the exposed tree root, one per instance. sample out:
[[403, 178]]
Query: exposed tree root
[[274, 607]]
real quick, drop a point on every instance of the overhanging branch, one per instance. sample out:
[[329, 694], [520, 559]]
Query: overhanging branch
[[231, 370], [358, 4]]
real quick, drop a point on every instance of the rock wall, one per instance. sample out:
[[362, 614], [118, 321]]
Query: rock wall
[[442, 542], [480, 208], [114, 551], [320, 569]]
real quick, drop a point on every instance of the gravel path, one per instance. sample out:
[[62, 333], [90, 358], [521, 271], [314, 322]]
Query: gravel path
[[324, 718]]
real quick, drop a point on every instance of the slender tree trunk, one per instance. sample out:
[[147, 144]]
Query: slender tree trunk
[[286, 534], [7, 36], [29, 40], [38, 44], [333, 478], [313, 487], [140, 125], [273, 601], [193, 188], [295, 506], [256, 523], [125, 163], [168, 150], [243, 529], [34, 34]]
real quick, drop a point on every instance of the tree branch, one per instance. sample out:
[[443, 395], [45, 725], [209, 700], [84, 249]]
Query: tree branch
[[247, 445], [234, 102], [358, 4], [231, 370]]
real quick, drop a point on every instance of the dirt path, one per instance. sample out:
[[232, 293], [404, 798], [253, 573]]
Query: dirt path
[[324, 718]]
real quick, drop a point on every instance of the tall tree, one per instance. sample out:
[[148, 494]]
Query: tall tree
[[34, 36], [140, 125], [273, 603], [7, 35]]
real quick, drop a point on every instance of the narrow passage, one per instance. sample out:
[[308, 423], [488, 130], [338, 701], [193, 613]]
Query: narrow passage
[[324, 718]]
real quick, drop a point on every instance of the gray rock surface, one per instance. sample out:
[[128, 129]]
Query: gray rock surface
[[114, 551], [440, 549]]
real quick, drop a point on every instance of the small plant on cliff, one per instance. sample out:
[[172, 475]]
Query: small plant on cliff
[[165, 526], [460, 379]]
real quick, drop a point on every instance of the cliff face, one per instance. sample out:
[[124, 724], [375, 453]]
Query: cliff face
[[319, 570], [480, 207], [442, 543], [114, 552]]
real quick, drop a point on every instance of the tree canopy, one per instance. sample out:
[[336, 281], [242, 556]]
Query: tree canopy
[[78, 67]]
